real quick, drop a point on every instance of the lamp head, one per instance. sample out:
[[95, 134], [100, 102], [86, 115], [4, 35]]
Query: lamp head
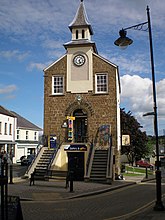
[[123, 41]]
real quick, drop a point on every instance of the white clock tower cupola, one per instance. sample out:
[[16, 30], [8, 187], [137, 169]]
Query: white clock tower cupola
[[80, 53], [80, 26], [81, 30]]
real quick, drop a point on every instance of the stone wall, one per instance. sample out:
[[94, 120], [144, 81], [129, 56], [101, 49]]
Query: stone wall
[[101, 109]]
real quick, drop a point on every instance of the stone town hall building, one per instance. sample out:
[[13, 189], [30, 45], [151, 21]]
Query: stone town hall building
[[81, 103]]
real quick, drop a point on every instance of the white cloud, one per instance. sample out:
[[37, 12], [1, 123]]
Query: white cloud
[[52, 44], [27, 17], [38, 66], [132, 65], [16, 54], [30, 17], [7, 89], [137, 95]]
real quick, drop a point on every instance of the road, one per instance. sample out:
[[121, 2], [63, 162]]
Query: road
[[113, 205]]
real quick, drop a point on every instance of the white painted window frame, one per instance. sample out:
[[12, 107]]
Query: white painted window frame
[[53, 86], [96, 83]]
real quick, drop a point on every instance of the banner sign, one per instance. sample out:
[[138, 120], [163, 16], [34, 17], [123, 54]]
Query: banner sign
[[76, 147], [70, 127]]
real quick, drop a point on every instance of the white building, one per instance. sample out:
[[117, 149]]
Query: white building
[[17, 135], [7, 131]]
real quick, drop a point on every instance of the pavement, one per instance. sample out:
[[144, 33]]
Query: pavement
[[55, 190]]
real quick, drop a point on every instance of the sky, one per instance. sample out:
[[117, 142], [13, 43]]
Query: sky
[[32, 34]]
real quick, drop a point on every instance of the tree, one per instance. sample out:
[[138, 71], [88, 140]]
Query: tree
[[138, 140]]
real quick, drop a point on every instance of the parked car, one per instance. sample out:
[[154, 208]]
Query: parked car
[[26, 161], [143, 163]]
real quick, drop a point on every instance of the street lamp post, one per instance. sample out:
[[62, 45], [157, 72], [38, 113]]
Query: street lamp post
[[123, 42]]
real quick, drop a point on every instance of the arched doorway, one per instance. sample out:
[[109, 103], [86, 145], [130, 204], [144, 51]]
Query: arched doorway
[[80, 126]]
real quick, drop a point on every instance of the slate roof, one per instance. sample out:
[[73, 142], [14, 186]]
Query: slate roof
[[81, 42], [4, 111], [81, 19], [24, 123], [21, 122]]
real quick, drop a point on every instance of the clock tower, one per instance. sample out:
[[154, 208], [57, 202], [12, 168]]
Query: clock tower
[[79, 54], [82, 104]]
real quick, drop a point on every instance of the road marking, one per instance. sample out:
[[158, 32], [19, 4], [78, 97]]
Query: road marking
[[131, 214]]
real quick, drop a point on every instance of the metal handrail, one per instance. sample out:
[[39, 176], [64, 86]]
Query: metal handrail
[[89, 157], [55, 153], [29, 167]]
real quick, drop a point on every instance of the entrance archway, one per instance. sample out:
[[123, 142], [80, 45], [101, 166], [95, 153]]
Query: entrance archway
[[80, 126]]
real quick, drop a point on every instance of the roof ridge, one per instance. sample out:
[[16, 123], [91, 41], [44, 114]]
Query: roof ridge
[[81, 18], [5, 111], [24, 123]]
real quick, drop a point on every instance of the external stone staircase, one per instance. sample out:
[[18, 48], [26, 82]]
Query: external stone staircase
[[99, 166], [41, 168]]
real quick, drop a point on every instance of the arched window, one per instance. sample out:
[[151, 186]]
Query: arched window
[[76, 34], [83, 34]]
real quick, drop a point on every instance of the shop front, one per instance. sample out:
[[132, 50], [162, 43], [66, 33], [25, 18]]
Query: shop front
[[76, 160]]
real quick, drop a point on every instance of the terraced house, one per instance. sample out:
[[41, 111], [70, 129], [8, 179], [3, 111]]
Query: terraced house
[[18, 136]]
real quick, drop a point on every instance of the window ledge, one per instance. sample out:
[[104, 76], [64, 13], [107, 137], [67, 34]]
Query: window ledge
[[52, 95], [106, 93]]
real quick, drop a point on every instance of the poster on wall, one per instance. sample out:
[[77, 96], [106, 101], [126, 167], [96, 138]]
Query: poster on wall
[[104, 140]]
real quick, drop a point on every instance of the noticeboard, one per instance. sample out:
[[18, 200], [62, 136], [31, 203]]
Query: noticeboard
[[125, 140]]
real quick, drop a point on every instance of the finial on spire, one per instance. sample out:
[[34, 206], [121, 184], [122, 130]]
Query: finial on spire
[[81, 0]]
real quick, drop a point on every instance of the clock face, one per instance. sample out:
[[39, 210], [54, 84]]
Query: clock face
[[79, 60]]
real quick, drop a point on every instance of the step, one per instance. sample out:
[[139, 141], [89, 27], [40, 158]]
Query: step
[[101, 169], [42, 167], [43, 162], [99, 163], [98, 171], [98, 176], [45, 157], [98, 180]]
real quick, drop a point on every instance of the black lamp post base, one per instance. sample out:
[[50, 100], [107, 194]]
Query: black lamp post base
[[159, 206]]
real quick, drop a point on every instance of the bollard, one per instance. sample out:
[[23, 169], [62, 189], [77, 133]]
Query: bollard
[[11, 174], [146, 173], [71, 181]]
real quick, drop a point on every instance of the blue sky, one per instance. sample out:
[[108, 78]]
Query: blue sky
[[32, 36]]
